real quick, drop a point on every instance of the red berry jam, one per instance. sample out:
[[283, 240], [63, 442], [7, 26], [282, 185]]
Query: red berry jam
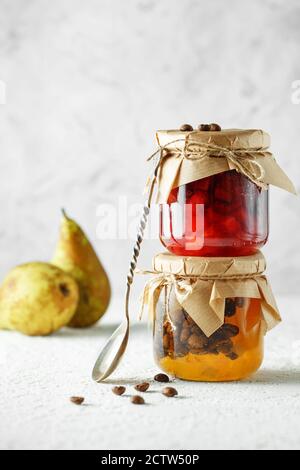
[[222, 215]]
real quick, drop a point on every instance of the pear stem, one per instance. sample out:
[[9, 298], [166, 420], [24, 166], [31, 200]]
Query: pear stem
[[64, 213]]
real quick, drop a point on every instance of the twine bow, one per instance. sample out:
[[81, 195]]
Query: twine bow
[[203, 297], [242, 160]]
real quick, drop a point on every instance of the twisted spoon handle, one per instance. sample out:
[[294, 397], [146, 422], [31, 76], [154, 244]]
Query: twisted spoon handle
[[138, 243], [139, 239]]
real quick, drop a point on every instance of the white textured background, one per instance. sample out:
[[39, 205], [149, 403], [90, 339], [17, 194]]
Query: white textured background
[[88, 83]]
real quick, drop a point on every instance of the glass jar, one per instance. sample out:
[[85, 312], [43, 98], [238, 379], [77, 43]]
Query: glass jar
[[225, 214], [233, 352], [210, 315]]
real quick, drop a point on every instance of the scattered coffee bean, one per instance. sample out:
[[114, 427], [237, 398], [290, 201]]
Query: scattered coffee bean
[[215, 127], [119, 390], [233, 356], [170, 392], [229, 308], [77, 400], [143, 387], [204, 127], [186, 127], [137, 400], [162, 378]]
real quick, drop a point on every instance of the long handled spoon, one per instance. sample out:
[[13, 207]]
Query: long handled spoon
[[114, 349]]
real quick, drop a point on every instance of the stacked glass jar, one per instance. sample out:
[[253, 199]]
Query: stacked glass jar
[[213, 213]]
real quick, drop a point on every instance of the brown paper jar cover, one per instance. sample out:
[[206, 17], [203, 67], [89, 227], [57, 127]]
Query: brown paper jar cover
[[236, 148], [202, 285]]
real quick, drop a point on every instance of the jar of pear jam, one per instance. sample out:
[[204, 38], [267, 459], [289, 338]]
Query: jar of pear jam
[[225, 214], [233, 352]]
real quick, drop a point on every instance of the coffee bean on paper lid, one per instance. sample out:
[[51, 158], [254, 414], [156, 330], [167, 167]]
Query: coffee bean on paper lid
[[204, 127], [186, 127], [215, 127]]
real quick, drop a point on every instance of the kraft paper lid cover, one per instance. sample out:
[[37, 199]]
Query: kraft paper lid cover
[[222, 267], [243, 144], [202, 285]]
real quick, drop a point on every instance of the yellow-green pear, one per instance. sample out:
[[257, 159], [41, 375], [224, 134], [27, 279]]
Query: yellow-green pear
[[76, 256], [37, 299]]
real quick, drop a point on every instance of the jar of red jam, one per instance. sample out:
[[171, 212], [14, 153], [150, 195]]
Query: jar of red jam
[[221, 215], [217, 204]]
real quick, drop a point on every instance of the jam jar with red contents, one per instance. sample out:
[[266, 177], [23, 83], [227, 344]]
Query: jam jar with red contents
[[225, 214]]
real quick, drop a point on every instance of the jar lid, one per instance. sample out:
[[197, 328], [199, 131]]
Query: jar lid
[[226, 138], [210, 267], [188, 156], [202, 285]]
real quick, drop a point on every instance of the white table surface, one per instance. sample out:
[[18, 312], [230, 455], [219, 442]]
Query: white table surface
[[38, 375]]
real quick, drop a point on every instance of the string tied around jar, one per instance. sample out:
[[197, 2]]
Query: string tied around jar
[[242, 160], [203, 296]]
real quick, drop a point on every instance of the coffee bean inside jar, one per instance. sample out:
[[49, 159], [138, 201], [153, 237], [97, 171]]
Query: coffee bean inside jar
[[182, 349]]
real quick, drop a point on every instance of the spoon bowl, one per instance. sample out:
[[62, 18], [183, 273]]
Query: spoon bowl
[[112, 353]]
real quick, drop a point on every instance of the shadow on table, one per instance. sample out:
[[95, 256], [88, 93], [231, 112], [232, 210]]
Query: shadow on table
[[275, 376], [98, 331]]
